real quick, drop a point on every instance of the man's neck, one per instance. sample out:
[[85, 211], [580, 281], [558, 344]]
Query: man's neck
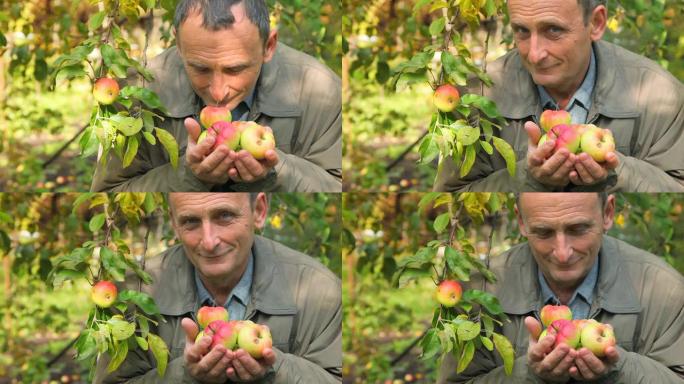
[[563, 96], [220, 288]]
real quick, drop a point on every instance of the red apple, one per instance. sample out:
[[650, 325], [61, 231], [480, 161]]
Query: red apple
[[211, 114], [206, 315], [104, 294], [449, 293], [596, 337], [597, 142], [105, 90], [257, 139], [549, 313], [565, 332], [223, 333], [254, 339], [566, 136], [226, 134], [550, 118], [446, 98]]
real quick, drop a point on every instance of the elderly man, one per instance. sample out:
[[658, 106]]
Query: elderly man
[[226, 55], [560, 63], [569, 260], [221, 262]]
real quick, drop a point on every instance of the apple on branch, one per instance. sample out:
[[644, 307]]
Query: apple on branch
[[105, 90], [449, 293], [446, 98], [104, 294]]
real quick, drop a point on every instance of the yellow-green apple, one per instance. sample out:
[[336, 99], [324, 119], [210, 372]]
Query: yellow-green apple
[[542, 140], [446, 98], [257, 139], [566, 136], [206, 315], [549, 313], [105, 90], [104, 294], [449, 293], [211, 114], [550, 118], [565, 332], [596, 337], [254, 339], [199, 336], [597, 142], [223, 333]]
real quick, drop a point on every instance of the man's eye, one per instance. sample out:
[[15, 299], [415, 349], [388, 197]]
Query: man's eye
[[520, 31], [577, 231], [188, 223], [226, 217], [543, 234]]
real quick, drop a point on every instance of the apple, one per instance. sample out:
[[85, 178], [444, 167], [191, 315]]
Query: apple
[[550, 118], [254, 338], [104, 294], [199, 336], [206, 315], [446, 98], [565, 332], [542, 140], [597, 142], [449, 293], [596, 337], [223, 333], [566, 136], [105, 90], [211, 114], [549, 313], [226, 134], [257, 139]]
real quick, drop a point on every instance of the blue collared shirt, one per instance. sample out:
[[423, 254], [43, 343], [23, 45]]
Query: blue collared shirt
[[580, 302], [241, 112], [239, 297], [580, 103]]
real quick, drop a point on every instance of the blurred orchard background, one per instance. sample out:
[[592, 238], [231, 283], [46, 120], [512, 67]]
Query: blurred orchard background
[[45, 286], [385, 116], [46, 104], [391, 257]]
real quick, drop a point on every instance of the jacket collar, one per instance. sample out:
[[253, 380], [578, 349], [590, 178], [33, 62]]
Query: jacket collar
[[520, 294], [610, 97], [173, 87], [176, 293]]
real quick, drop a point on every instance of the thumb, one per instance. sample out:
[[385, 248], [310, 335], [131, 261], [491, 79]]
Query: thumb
[[534, 327], [533, 133], [191, 330], [193, 128]]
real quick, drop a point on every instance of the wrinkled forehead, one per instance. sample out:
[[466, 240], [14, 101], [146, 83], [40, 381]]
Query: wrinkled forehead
[[194, 200], [557, 204]]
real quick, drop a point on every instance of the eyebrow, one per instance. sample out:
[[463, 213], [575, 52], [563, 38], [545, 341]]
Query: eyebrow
[[212, 212], [540, 24], [543, 226], [199, 65]]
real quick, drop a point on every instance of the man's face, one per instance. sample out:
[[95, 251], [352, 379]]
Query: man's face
[[217, 230], [564, 231], [554, 43], [223, 66]]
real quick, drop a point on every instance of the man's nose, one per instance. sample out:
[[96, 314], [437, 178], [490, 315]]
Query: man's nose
[[537, 51], [562, 249], [219, 88], [209, 238]]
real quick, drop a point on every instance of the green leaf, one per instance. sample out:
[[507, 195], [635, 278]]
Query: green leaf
[[505, 349], [142, 300], [113, 263], [145, 95], [86, 345], [430, 344], [468, 330], [427, 198], [118, 355], [96, 222], [468, 160], [488, 324], [409, 274], [506, 152], [142, 343], [466, 357], [437, 26], [487, 147], [428, 148], [449, 63], [169, 144], [121, 329], [131, 151], [144, 325], [487, 300], [150, 138], [96, 20], [127, 125], [423, 255], [466, 134], [455, 260], [80, 199], [382, 73], [441, 222], [487, 343], [40, 70], [160, 352]]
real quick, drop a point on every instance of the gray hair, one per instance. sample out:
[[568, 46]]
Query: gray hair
[[216, 14], [588, 7]]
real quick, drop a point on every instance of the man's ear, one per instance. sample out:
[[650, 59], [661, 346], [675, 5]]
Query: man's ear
[[598, 22], [260, 210], [608, 213], [521, 222], [270, 47]]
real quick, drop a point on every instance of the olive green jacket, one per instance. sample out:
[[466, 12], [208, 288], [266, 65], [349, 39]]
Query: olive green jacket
[[642, 105], [297, 297], [299, 98], [639, 294]]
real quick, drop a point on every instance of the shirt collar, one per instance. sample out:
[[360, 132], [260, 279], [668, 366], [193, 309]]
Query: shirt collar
[[585, 290], [240, 292], [582, 96]]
